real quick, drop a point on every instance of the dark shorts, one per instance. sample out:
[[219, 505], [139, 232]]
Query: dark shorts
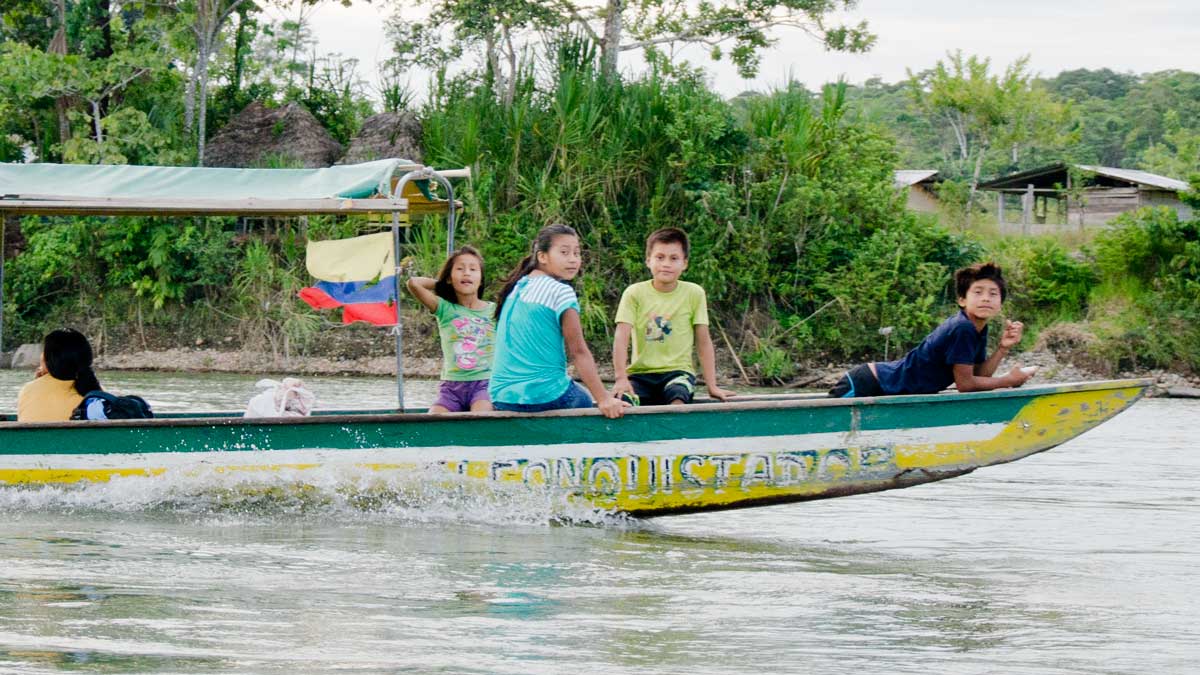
[[574, 397], [662, 388], [859, 382], [458, 396]]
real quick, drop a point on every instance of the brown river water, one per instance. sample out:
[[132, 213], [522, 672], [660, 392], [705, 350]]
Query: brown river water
[[1084, 559]]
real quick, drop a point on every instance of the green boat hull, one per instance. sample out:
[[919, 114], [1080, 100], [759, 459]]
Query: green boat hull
[[773, 449]]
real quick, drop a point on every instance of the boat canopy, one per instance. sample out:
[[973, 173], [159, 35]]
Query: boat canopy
[[396, 187], [79, 189]]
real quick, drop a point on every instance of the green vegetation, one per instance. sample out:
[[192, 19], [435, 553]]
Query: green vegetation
[[1114, 119], [799, 236]]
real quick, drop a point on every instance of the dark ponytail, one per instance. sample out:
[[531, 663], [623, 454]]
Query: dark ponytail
[[68, 356], [541, 244]]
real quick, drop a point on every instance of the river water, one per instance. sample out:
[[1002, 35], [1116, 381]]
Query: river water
[[1084, 559]]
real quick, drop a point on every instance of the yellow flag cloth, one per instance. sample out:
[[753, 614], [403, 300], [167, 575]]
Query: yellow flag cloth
[[363, 258]]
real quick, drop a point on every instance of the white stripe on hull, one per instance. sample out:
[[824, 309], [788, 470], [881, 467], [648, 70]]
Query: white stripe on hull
[[962, 433]]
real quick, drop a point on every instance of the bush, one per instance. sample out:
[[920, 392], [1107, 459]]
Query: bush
[[1046, 284], [1149, 263], [898, 278]]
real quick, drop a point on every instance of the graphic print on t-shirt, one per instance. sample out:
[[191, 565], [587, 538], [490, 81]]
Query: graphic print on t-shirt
[[658, 327], [472, 334]]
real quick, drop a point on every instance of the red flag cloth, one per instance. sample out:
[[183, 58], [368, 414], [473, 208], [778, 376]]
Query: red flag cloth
[[378, 313]]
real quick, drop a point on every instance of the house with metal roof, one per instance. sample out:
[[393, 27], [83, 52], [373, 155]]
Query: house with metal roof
[[920, 185], [1062, 195]]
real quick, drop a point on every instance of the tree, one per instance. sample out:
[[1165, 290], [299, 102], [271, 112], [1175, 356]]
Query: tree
[[1178, 156], [618, 26], [1082, 84], [1157, 93], [635, 25], [985, 112], [496, 26], [30, 74], [207, 21]]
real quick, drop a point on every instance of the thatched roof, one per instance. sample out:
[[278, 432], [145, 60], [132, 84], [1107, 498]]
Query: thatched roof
[[284, 137], [385, 136]]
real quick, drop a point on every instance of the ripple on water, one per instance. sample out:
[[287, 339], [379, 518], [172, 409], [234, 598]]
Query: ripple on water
[[1075, 561]]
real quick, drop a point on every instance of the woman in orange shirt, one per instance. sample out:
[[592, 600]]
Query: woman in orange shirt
[[61, 380]]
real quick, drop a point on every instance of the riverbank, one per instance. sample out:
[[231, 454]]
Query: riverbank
[[1061, 354]]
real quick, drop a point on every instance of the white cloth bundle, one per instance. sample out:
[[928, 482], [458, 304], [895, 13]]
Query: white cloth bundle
[[288, 398]]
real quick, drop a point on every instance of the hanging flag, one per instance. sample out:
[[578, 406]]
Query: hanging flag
[[358, 275]]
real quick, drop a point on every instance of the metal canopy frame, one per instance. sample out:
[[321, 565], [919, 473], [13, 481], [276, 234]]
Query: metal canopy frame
[[425, 173], [395, 204]]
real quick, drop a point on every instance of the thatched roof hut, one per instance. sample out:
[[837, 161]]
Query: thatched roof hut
[[259, 136], [384, 136]]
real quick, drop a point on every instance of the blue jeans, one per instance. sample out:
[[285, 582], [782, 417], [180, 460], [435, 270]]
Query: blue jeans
[[574, 397]]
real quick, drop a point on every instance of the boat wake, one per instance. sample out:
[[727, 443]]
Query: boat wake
[[314, 493]]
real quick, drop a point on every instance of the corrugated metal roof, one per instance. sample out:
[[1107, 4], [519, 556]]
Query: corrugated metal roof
[[1139, 177], [1054, 176], [907, 177]]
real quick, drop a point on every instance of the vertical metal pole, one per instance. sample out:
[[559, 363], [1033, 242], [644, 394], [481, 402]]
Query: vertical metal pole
[[449, 214], [398, 329], [426, 172], [3, 233]]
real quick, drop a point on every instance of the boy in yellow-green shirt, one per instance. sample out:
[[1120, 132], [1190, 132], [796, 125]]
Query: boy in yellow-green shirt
[[667, 318]]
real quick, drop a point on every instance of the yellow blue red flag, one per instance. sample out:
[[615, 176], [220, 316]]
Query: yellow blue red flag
[[358, 275]]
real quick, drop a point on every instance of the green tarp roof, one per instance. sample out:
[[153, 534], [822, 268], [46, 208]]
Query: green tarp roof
[[74, 181], [83, 188]]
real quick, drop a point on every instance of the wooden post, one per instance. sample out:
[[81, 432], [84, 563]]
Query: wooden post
[[1000, 208], [1027, 209]]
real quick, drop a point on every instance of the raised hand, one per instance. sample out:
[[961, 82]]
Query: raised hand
[[1013, 332]]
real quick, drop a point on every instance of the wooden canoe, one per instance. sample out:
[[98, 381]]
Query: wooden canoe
[[654, 461]]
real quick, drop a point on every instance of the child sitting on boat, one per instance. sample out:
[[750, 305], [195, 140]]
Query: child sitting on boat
[[537, 316], [466, 327], [954, 353], [667, 319], [61, 380]]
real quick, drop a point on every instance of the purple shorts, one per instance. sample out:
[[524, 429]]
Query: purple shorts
[[458, 396]]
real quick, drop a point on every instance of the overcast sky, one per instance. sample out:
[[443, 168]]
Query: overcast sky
[[1141, 36]]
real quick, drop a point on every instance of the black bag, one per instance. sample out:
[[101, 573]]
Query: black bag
[[115, 407]]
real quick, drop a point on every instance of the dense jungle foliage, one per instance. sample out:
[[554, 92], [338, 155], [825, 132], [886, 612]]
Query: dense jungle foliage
[[799, 237]]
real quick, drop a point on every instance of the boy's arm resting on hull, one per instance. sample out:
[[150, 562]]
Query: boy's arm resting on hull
[[988, 368], [966, 379], [422, 289], [585, 365], [708, 363], [620, 357]]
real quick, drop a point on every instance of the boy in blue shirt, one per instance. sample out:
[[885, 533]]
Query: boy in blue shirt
[[954, 353]]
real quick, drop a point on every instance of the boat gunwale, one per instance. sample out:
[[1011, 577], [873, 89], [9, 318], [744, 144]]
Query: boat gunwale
[[785, 401]]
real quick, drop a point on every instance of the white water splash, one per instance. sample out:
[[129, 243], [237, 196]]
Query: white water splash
[[430, 496]]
